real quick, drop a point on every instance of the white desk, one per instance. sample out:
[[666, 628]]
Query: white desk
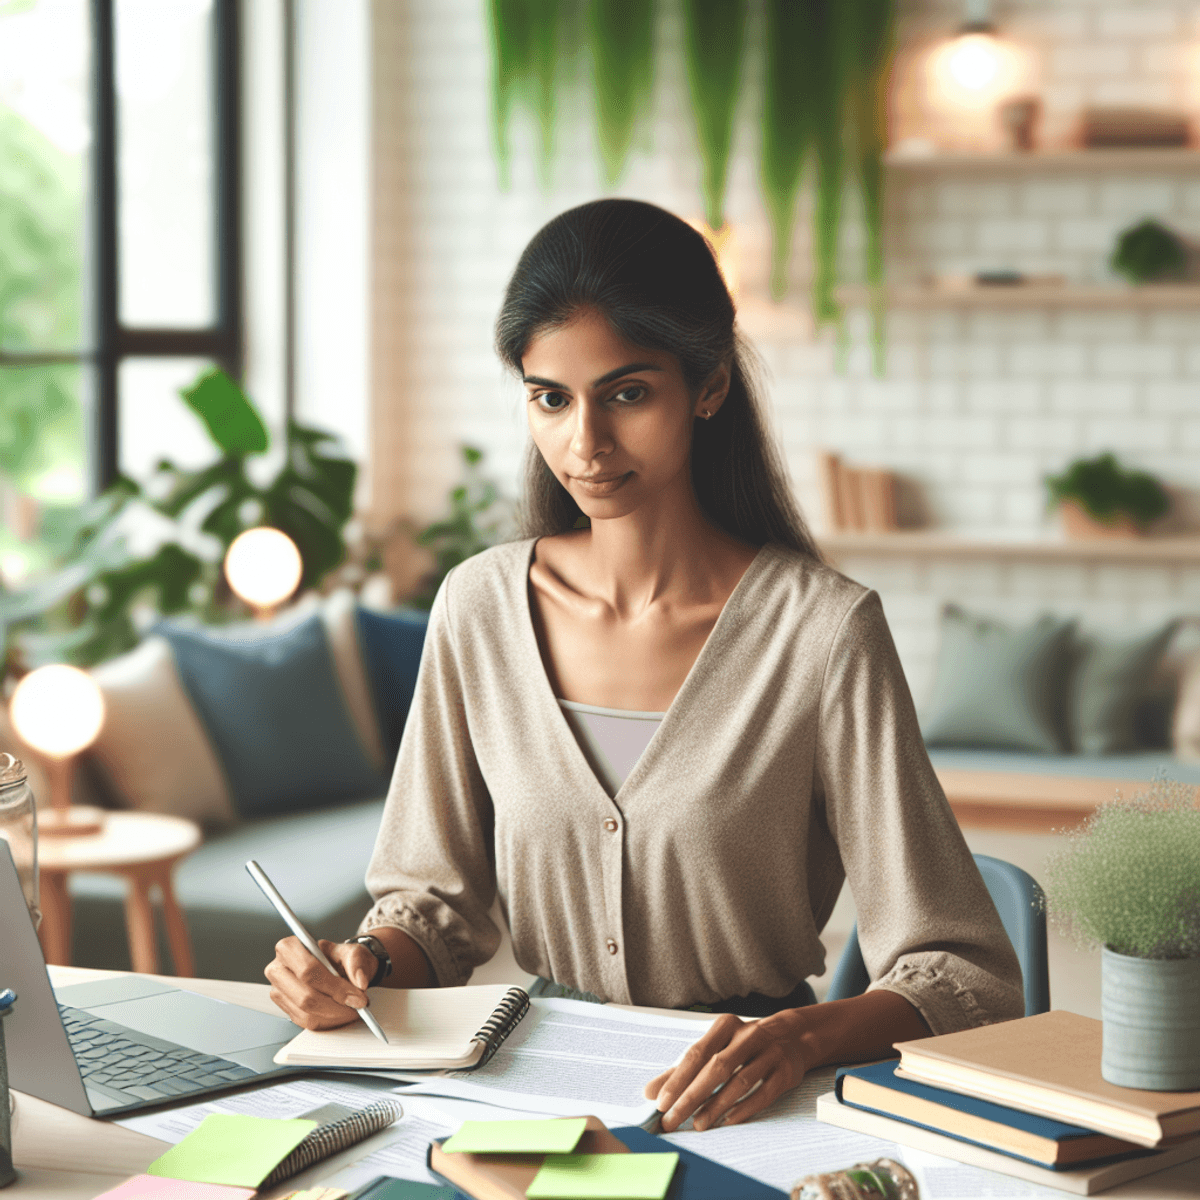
[[62, 1156]]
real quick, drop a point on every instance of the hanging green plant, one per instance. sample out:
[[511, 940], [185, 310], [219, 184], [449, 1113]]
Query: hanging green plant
[[786, 130], [824, 97], [525, 56], [714, 40], [621, 35], [867, 96]]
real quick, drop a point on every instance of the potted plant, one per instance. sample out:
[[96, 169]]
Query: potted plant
[[1129, 881], [1098, 498]]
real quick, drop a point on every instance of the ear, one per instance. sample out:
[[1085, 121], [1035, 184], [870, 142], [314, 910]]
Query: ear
[[712, 394]]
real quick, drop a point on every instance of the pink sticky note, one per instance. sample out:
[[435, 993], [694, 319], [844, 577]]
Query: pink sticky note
[[155, 1187]]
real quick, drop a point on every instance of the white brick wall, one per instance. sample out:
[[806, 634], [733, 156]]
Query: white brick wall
[[976, 406]]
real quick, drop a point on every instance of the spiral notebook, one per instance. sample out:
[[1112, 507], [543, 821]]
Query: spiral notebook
[[453, 1028]]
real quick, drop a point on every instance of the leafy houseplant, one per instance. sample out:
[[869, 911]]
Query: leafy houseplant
[[476, 521], [86, 611], [1100, 498], [1129, 881]]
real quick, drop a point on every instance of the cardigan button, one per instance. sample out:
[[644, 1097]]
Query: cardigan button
[[610, 825], [611, 945]]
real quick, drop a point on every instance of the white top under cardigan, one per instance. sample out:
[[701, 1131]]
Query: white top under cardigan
[[790, 759]]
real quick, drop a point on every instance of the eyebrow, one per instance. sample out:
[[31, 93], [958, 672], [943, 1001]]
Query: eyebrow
[[628, 369]]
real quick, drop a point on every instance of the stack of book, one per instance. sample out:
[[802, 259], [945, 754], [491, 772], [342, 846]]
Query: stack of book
[[857, 499], [1025, 1098]]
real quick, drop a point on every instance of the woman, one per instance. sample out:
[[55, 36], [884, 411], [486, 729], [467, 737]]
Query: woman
[[659, 725]]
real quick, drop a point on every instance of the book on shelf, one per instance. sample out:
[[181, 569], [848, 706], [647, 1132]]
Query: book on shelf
[[857, 498], [1039, 1140], [454, 1028], [1081, 1180], [1049, 1065], [508, 1176]]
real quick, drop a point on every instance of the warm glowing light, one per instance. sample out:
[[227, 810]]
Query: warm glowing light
[[263, 567], [58, 710], [974, 61], [724, 244]]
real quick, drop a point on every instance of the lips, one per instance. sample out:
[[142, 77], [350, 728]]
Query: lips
[[601, 485]]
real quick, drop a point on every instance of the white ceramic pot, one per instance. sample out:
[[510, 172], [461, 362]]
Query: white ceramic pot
[[1151, 1011]]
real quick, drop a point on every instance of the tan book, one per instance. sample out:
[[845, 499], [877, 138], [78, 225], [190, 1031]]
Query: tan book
[[829, 470], [1083, 1181], [1050, 1065], [850, 491]]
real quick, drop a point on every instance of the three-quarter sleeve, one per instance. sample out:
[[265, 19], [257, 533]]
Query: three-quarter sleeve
[[432, 872], [927, 926]]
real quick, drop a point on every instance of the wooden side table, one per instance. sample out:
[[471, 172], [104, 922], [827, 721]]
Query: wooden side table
[[144, 848]]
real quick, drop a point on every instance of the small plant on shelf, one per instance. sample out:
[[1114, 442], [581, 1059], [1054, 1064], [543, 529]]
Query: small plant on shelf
[[1100, 498], [1149, 252]]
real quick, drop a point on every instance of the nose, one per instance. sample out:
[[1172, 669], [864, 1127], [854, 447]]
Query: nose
[[590, 436]]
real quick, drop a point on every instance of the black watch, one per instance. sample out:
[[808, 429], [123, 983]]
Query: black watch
[[383, 959]]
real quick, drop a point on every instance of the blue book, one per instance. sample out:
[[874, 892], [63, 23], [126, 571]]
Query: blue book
[[1038, 1140]]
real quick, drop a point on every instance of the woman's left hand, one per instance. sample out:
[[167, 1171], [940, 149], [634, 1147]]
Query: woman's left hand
[[734, 1071]]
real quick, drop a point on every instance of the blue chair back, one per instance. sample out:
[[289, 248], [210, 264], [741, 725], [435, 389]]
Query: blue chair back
[[1017, 897]]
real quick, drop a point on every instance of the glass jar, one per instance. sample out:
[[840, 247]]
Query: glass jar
[[18, 827]]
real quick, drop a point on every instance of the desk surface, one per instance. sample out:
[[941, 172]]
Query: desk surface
[[62, 1155]]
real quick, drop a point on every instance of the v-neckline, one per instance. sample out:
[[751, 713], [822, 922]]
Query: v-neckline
[[555, 718]]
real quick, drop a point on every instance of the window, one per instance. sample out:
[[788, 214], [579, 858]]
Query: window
[[119, 246]]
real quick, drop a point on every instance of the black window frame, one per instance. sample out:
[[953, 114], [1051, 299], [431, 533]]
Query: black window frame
[[113, 342]]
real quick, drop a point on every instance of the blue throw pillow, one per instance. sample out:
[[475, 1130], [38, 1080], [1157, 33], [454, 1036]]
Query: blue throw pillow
[[391, 645], [274, 711]]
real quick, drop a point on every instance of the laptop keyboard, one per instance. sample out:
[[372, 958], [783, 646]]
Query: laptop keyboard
[[126, 1065]]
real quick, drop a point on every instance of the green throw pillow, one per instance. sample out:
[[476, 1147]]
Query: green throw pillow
[[1109, 681], [997, 687]]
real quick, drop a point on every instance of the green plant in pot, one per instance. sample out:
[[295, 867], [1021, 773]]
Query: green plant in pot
[[1128, 881], [1100, 498]]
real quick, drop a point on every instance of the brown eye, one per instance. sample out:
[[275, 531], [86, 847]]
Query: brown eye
[[551, 401], [630, 395]]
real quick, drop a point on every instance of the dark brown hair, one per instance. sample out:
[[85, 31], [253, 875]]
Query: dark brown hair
[[656, 282]]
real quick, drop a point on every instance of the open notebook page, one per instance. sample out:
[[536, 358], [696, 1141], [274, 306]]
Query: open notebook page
[[427, 1028]]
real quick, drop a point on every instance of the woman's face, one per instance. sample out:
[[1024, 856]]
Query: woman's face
[[612, 420]]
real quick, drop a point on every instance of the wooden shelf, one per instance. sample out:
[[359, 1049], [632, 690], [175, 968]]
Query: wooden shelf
[[1176, 550], [1078, 296], [1161, 159]]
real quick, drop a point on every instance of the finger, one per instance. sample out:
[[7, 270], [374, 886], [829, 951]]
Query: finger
[[744, 1084], [679, 1078], [654, 1086], [715, 1074], [353, 960], [772, 1087], [313, 974]]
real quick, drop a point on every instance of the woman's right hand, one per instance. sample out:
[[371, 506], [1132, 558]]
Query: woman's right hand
[[308, 994]]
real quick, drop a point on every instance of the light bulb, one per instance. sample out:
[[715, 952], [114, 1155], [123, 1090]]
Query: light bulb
[[974, 61], [58, 710], [263, 566]]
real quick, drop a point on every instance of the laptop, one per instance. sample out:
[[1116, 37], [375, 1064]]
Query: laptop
[[116, 1045]]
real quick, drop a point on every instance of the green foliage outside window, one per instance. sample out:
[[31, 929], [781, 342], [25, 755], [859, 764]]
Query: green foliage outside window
[[41, 434]]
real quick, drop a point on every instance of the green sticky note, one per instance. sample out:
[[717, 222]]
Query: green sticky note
[[232, 1149], [603, 1177], [517, 1137]]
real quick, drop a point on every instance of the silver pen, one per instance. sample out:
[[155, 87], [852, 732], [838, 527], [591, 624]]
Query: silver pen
[[282, 907]]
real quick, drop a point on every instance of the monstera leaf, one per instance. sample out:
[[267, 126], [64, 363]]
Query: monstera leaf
[[85, 612]]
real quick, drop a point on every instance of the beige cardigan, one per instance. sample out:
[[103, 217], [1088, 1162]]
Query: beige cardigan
[[790, 759]]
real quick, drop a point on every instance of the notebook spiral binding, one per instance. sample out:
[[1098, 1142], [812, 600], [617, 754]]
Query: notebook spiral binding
[[328, 1140], [502, 1022]]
